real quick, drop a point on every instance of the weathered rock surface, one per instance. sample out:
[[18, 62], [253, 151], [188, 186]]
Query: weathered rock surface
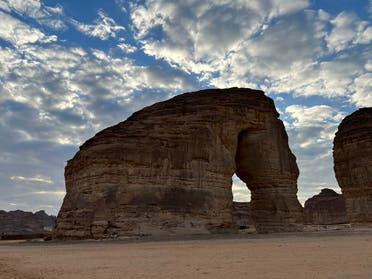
[[242, 215], [168, 169], [352, 153], [326, 208], [23, 223]]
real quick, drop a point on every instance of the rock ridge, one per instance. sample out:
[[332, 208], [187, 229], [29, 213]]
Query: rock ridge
[[21, 223]]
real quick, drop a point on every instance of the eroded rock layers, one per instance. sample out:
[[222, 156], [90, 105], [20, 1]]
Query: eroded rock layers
[[352, 153], [326, 208], [168, 169]]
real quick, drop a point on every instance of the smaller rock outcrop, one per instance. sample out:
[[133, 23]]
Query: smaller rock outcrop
[[326, 208], [21, 224], [242, 215], [352, 155]]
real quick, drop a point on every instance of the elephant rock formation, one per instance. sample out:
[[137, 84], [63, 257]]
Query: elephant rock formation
[[168, 169]]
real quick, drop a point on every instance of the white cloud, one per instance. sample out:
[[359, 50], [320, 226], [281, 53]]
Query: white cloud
[[4, 6], [268, 59], [295, 64], [55, 85], [18, 33], [31, 8], [46, 15], [282, 7], [363, 90], [127, 48], [327, 78], [37, 178], [53, 23], [104, 27], [365, 36], [313, 116], [272, 45], [55, 10], [9, 59], [56, 193], [198, 35], [121, 4], [347, 30]]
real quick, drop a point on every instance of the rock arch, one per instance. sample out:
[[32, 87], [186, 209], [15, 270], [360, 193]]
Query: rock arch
[[168, 169]]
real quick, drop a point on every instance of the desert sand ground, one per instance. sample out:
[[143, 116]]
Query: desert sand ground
[[305, 255]]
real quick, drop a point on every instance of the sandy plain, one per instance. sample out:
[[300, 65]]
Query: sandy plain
[[303, 255]]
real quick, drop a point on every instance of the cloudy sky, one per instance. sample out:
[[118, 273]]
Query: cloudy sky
[[70, 68]]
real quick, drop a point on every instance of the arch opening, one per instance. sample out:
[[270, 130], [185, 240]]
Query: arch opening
[[240, 191], [264, 162], [241, 205]]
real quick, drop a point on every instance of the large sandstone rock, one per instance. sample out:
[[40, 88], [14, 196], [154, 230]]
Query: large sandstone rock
[[326, 208], [168, 169], [352, 152], [21, 223]]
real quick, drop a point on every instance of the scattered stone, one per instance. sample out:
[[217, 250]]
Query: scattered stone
[[326, 208], [168, 170], [352, 152]]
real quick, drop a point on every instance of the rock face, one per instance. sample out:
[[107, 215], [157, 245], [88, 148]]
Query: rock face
[[242, 215], [352, 153], [326, 208], [23, 223], [168, 169]]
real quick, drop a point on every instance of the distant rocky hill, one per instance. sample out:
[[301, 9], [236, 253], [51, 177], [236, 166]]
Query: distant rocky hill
[[326, 208], [19, 223]]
